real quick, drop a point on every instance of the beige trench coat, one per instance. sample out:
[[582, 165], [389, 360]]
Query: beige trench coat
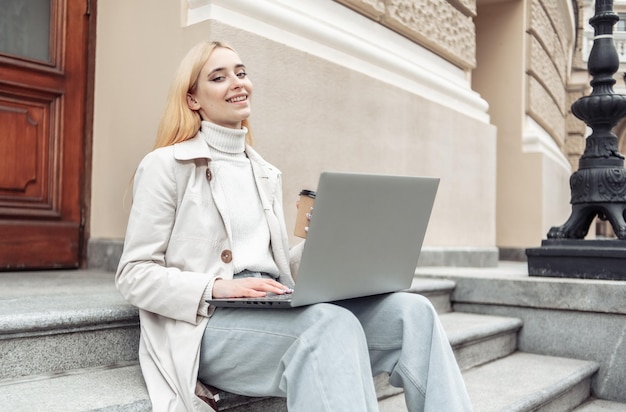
[[178, 239]]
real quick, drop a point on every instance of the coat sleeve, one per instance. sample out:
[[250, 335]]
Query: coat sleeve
[[143, 277], [295, 255], [286, 277]]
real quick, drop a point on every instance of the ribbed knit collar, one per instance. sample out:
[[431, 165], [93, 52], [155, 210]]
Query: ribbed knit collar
[[224, 139]]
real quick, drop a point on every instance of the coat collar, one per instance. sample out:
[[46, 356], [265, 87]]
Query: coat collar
[[196, 148]]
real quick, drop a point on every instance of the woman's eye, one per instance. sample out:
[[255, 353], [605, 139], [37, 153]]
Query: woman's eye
[[217, 79], [241, 75]]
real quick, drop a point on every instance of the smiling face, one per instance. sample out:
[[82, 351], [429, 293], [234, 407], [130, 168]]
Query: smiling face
[[223, 90]]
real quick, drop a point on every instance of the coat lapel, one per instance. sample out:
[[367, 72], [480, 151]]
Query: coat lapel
[[266, 178], [197, 149]]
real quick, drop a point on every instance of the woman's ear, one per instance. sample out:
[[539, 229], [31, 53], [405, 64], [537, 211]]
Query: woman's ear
[[192, 102]]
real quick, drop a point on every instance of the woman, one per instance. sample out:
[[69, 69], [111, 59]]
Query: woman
[[207, 221]]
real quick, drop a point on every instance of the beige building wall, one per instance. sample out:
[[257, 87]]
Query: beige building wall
[[335, 89], [523, 66]]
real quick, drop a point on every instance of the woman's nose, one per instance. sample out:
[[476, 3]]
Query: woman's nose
[[237, 82]]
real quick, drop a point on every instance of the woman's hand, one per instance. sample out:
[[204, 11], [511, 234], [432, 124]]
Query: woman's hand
[[247, 288], [308, 215]]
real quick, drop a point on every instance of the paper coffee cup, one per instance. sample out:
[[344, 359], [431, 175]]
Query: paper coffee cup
[[307, 198]]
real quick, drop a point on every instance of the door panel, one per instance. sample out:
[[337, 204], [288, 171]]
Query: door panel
[[43, 90], [26, 153], [25, 28]]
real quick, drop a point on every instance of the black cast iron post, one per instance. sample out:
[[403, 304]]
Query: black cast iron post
[[598, 187]]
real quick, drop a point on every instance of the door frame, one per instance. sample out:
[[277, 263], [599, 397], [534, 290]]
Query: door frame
[[92, 6]]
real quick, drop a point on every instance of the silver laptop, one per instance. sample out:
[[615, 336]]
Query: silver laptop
[[364, 239]]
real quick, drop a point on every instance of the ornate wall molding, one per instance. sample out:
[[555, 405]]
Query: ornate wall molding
[[542, 108], [550, 43], [537, 140], [575, 128], [444, 26], [542, 68]]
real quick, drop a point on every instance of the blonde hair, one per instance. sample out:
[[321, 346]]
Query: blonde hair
[[179, 122]]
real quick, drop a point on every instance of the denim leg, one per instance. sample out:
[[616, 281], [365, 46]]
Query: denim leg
[[406, 340], [316, 356]]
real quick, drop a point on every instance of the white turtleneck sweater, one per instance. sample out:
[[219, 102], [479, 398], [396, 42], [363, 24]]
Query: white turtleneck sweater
[[232, 171]]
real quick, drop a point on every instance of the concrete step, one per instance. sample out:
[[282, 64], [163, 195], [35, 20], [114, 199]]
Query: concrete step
[[72, 338], [523, 382], [100, 330], [469, 335], [528, 382], [519, 382], [599, 405], [52, 322], [59, 321], [576, 318], [478, 339], [69, 338], [438, 291], [475, 340], [115, 388]]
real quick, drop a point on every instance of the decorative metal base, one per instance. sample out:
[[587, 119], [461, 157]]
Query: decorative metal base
[[582, 216], [578, 258]]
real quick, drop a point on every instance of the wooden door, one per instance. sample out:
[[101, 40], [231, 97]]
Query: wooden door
[[44, 72]]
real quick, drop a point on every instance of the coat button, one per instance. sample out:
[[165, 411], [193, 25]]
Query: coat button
[[209, 175], [227, 256]]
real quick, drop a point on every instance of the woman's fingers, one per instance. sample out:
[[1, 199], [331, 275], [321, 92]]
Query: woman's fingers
[[247, 288]]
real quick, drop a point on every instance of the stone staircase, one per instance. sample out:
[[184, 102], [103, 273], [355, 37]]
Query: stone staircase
[[68, 342]]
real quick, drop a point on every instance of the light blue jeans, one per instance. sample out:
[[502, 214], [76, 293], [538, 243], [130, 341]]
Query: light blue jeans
[[323, 357]]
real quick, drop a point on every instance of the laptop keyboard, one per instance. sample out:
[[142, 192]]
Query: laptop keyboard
[[269, 300], [271, 296]]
